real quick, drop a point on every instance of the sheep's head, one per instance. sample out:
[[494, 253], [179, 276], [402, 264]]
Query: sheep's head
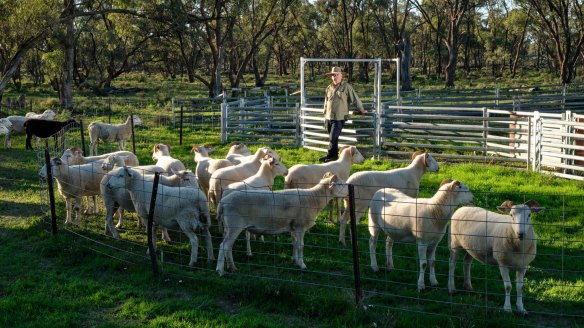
[[54, 162], [277, 167], [239, 148], [430, 164], [187, 177], [336, 186], [118, 177], [267, 151], [459, 192], [160, 150], [49, 115], [520, 215]]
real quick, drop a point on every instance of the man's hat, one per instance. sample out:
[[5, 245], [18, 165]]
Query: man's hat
[[335, 70]]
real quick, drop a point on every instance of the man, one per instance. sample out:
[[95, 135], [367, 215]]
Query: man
[[339, 94]]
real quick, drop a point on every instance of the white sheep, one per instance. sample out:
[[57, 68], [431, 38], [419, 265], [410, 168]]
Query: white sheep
[[17, 124], [366, 183], [111, 133], [161, 155], [221, 178], [506, 240], [307, 175], [414, 220], [274, 212], [238, 153], [207, 165], [5, 126], [119, 199], [176, 207], [74, 182], [262, 180]]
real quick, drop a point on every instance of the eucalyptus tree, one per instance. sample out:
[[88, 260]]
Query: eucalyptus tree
[[562, 23], [451, 36]]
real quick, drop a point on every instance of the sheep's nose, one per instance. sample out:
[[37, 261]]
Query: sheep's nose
[[520, 235]]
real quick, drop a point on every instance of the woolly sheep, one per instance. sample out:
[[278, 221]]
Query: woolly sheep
[[111, 133], [307, 175], [176, 207], [420, 220], [221, 178], [366, 183], [43, 128], [74, 182], [262, 180], [17, 123], [274, 212], [506, 240]]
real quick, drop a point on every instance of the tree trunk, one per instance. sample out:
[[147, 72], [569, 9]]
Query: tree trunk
[[67, 100], [406, 59]]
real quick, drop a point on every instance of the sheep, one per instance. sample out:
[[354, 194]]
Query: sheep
[[43, 128], [5, 126], [186, 208], [224, 176], [306, 175], [74, 182], [111, 132], [366, 183], [17, 123], [274, 212], [119, 199], [161, 154], [507, 241], [420, 220], [262, 180], [238, 153]]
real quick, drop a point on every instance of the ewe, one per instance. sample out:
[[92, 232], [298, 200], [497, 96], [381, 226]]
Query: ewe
[[274, 212], [111, 133], [507, 241], [44, 129], [420, 220], [17, 124], [366, 183]]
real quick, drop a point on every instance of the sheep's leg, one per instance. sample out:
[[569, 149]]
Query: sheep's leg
[[422, 255], [121, 218], [209, 244], [188, 230], [331, 213], [389, 253], [467, 263], [69, 210], [7, 141], [519, 275], [77, 207], [507, 283], [451, 268], [431, 264], [225, 250], [165, 235], [299, 245], [109, 217], [343, 224], [372, 245], [93, 148], [248, 243]]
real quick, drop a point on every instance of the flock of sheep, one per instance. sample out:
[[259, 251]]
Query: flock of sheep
[[239, 187]]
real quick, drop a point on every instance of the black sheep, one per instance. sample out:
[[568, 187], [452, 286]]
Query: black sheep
[[43, 128]]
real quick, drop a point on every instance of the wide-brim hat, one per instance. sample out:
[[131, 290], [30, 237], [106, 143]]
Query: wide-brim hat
[[335, 70]]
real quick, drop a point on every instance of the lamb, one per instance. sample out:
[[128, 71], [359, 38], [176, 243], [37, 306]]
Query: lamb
[[161, 154], [262, 180], [274, 212], [119, 199], [43, 128], [366, 183], [207, 165], [420, 220], [186, 208], [221, 178], [306, 175], [111, 132], [74, 182], [507, 241], [17, 123]]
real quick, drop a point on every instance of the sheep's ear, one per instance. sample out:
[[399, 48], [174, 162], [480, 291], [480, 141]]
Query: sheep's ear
[[445, 181], [328, 175], [235, 143], [505, 206], [534, 206], [195, 149], [416, 153]]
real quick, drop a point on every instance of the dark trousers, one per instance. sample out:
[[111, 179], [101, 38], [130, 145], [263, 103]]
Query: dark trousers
[[334, 128]]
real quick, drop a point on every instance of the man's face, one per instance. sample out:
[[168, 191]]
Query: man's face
[[337, 77]]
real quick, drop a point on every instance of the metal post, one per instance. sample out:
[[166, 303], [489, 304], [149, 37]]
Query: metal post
[[151, 249], [51, 190], [133, 138], [82, 136], [356, 272], [180, 129]]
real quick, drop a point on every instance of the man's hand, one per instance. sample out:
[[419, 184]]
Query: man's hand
[[360, 112]]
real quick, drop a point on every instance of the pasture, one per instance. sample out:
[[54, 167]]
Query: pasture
[[83, 277]]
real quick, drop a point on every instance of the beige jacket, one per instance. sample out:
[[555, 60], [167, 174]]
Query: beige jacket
[[337, 100]]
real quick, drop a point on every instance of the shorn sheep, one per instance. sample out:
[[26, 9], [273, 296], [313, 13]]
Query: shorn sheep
[[506, 240], [17, 123], [43, 128], [161, 155], [366, 183], [5, 126], [221, 178], [207, 165], [414, 220], [274, 212], [307, 175], [176, 207], [111, 133]]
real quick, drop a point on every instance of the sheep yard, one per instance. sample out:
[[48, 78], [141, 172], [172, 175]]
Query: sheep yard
[[82, 276]]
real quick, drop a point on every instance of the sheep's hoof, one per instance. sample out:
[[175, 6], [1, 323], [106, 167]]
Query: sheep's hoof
[[119, 226], [452, 292], [342, 242], [220, 272], [375, 268], [249, 255], [522, 313], [192, 263]]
